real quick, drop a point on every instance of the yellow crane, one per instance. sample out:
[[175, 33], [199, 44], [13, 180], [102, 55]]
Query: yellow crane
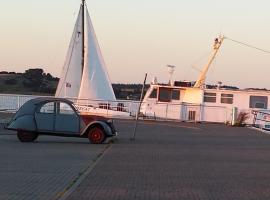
[[201, 80]]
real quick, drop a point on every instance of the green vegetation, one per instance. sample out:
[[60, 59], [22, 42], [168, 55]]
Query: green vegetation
[[32, 81], [37, 82]]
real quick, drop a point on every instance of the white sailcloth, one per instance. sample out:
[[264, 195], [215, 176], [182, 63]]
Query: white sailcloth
[[70, 79], [95, 79]]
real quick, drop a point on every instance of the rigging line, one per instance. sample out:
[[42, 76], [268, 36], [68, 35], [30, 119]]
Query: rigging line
[[196, 62], [250, 46], [201, 58]]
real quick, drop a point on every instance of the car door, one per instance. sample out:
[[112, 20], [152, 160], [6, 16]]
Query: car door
[[44, 117], [67, 121]]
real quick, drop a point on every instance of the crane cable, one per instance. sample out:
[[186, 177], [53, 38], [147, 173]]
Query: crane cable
[[250, 46]]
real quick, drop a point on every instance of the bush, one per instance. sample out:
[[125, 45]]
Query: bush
[[241, 118], [11, 81]]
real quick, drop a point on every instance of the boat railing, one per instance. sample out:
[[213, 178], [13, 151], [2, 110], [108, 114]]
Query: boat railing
[[107, 108]]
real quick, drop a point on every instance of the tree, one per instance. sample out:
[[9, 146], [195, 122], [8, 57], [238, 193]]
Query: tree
[[34, 78]]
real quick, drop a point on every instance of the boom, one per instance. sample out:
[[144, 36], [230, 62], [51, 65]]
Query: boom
[[201, 80]]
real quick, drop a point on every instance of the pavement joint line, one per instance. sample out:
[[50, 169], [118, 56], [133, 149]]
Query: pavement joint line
[[171, 125], [63, 195]]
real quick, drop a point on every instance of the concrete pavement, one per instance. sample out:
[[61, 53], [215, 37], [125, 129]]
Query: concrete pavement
[[182, 161], [44, 169], [168, 160]]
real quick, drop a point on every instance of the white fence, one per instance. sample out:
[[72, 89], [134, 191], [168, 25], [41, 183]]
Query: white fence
[[124, 108], [187, 112], [12, 102]]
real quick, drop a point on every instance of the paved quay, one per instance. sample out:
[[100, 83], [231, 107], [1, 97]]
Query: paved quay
[[181, 161], [45, 169]]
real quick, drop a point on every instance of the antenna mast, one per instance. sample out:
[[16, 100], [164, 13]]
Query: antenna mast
[[201, 80], [170, 70], [83, 34]]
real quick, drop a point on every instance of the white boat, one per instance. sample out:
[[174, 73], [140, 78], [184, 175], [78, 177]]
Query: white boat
[[186, 101], [84, 78], [84, 74]]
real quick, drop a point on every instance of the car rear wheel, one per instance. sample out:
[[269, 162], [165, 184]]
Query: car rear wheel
[[25, 136], [96, 135]]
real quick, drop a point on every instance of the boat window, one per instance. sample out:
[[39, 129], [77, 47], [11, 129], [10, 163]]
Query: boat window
[[153, 94], [210, 97], [65, 109], [165, 94], [47, 108], [258, 102], [226, 98], [176, 94]]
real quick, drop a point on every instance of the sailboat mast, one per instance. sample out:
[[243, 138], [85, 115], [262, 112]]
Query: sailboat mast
[[83, 34]]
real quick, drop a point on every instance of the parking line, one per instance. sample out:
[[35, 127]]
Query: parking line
[[82, 175]]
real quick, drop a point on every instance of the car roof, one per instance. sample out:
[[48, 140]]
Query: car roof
[[29, 107], [45, 99]]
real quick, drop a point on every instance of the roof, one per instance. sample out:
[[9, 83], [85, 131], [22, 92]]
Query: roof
[[29, 107], [41, 99]]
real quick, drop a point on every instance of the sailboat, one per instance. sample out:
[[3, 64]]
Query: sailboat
[[84, 74]]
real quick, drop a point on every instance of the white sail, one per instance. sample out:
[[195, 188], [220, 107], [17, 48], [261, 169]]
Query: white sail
[[95, 80], [70, 79]]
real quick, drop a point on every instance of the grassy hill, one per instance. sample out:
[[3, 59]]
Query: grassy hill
[[32, 81]]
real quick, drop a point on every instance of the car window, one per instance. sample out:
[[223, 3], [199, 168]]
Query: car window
[[65, 109], [47, 108]]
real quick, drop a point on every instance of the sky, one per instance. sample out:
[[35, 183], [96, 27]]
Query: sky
[[143, 36]]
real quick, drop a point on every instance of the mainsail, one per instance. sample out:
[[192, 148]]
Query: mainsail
[[95, 80], [84, 74]]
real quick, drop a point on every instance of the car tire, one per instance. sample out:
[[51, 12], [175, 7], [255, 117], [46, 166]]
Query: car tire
[[25, 136], [96, 135]]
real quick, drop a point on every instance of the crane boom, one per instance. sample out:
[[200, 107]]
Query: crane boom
[[201, 80]]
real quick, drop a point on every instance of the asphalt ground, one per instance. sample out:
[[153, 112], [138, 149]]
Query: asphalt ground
[[168, 160], [44, 169], [186, 161]]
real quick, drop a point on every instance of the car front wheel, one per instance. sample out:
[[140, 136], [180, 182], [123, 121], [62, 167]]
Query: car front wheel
[[96, 135], [25, 136]]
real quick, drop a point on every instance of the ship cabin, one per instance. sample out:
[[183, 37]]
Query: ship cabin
[[184, 102]]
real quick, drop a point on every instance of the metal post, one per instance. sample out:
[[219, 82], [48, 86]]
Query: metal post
[[129, 107], [138, 111], [18, 103], [65, 89], [225, 115], [166, 114], [83, 37], [107, 108]]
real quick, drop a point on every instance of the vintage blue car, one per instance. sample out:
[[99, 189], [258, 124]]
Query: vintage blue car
[[59, 117]]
